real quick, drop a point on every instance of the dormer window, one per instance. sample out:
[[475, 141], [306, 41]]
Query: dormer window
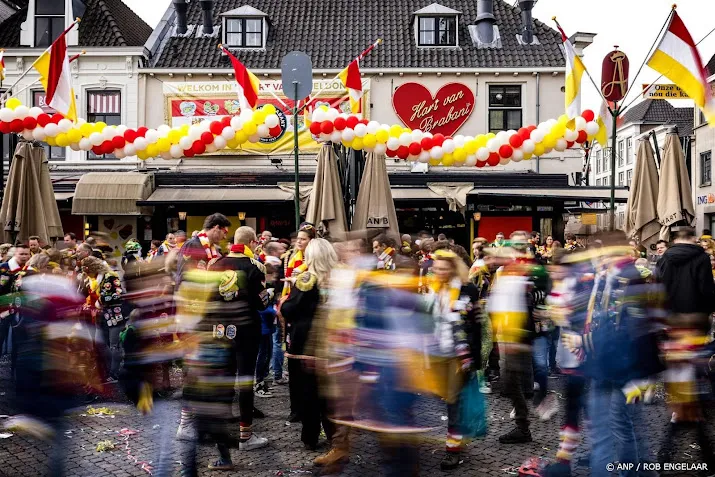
[[436, 26], [49, 21], [245, 27]]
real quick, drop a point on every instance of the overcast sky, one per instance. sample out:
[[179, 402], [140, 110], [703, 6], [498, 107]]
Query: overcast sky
[[631, 24]]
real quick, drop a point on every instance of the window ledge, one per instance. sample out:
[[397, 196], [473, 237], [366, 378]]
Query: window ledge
[[441, 47], [705, 184]]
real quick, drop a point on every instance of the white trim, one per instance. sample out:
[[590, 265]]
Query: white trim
[[88, 51], [224, 33], [272, 71]]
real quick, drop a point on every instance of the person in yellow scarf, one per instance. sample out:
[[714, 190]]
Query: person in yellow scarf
[[294, 261]]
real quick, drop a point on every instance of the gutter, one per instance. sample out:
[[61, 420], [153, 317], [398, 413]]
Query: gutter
[[273, 71], [88, 51]]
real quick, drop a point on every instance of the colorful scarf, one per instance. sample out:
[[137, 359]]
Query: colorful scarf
[[293, 264], [242, 249], [210, 250], [385, 261]]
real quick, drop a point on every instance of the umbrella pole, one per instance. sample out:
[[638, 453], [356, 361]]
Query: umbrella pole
[[295, 149], [612, 208]]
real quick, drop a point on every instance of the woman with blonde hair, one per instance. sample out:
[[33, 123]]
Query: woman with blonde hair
[[299, 310]]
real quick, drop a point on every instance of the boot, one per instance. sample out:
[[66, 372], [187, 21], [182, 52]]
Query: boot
[[332, 457], [451, 460], [516, 436]]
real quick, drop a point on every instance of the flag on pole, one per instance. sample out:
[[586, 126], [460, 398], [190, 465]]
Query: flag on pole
[[605, 125], [2, 65], [351, 79], [54, 68], [248, 83], [574, 72]]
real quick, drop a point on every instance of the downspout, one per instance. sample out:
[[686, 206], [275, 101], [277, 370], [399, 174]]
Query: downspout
[[538, 108]]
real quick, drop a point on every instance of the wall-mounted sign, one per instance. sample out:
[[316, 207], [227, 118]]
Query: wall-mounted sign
[[444, 112], [663, 91], [614, 75], [589, 219], [705, 199], [378, 222]]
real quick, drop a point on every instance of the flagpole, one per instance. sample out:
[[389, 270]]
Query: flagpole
[[277, 98], [30, 85], [8, 91]]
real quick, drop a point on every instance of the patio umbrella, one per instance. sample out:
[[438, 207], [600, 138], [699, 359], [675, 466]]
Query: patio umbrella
[[641, 210], [375, 208], [326, 198], [29, 206], [675, 203]]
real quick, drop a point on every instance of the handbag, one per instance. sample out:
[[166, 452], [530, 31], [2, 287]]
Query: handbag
[[473, 409]]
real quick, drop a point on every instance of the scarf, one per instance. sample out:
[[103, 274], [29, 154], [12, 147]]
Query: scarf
[[242, 249], [446, 295], [13, 266], [385, 260], [210, 250], [293, 264]]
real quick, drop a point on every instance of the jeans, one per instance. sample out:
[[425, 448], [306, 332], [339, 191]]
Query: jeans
[[111, 349], [246, 346], [541, 366], [611, 422], [554, 336], [277, 364], [517, 365], [163, 415], [265, 351]]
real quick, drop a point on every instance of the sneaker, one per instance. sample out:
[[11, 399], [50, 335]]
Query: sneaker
[[516, 436], [282, 380], [547, 408], [221, 465], [512, 414], [537, 387], [262, 390], [254, 442], [332, 457], [451, 460], [186, 431], [485, 388], [493, 376]]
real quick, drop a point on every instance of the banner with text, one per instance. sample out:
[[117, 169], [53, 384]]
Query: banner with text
[[193, 102], [663, 91]]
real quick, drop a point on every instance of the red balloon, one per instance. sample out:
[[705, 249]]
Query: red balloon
[[107, 147], [118, 142], [438, 139], [352, 121], [340, 123], [206, 138], [364, 121], [426, 143], [506, 151], [16, 125], [29, 122], [493, 159], [531, 128], [198, 147], [188, 153], [403, 152], [415, 149], [57, 117], [588, 115], [141, 132], [275, 131], [582, 136], [516, 141], [326, 127], [130, 135], [390, 153], [315, 128], [569, 144], [481, 164], [216, 127], [524, 134], [4, 128], [226, 121], [43, 119], [97, 150]]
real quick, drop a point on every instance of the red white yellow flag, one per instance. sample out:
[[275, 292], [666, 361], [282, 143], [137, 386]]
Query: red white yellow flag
[[351, 79], [248, 83], [2, 65], [54, 69]]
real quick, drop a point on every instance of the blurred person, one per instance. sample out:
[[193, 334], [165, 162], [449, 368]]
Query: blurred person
[[34, 244], [8, 273], [406, 245], [266, 236], [167, 245], [180, 238], [154, 247], [660, 247], [384, 249], [499, 240], [5, 252], [132, 253], [441, 238], [273, 251], [268, 328], [572, 244], [299, 310], [547, 251], [203, 248], [70, 240]]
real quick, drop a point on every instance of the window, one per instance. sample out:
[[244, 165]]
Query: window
[[620, 178], [504, 108], [598, 182], [705, 168], [597, 159], [629, 150], [54, 153], [620, 154], [629, 177], [244, 32], [606, 180], [49, 21], [105, 106], [606, 159], [437, 31]]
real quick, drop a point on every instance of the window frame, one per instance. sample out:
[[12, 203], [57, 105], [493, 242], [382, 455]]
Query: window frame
[[629, 177], [437, 30], [35, 94], [621, 159], [621, 178], [629, 150], [243, 33], [96, 117], [494, 107], [703, 156], [53, 35], [597, 160]]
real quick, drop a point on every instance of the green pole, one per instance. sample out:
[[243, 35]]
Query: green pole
[[612, 211], [295, 149]]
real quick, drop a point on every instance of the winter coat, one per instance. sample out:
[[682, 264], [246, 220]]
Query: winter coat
[[684, 270]]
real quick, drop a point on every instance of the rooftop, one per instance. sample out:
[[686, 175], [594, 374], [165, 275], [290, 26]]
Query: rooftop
[[659, 111]]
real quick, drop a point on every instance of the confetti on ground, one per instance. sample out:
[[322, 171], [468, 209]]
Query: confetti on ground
[[6, 435], [156, 426], [99, 411], [695, 446], [444, 418], [103, 446]]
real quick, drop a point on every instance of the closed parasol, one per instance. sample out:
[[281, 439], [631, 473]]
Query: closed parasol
[[326, 199], [375, 208], [642, 208], [675, 202]]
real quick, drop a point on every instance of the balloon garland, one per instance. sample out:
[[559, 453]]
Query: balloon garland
[[327, 124]]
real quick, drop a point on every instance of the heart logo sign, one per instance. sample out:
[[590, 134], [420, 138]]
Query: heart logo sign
[[443, 113]]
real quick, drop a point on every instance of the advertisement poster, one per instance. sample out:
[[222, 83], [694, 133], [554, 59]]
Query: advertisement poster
[[190, 103], [444, 112]]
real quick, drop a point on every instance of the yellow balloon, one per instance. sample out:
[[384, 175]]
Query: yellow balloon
[[163, 144], [50, 141], [471, 147], [358, 143], [250, 128], [259, 117], [559, 130], [539, 150], [99, 127], [346, 143], [527, 156], [434, 162], [563, 119], [62, 140], [86, 129], [395, 130], [448, 160], [269, 109], [74, 135], [481, 141], [142, 155], [549, 142], [382, 136], [490, 136], [174, 136], [232, 143], [13, 103], [460, 155], [369, 140], [241, 137], [184, 129], [151, 150]]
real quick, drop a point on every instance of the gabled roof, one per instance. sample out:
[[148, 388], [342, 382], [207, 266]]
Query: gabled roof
[[334, 32], [244, 11], [105, 23], [659, 111], [436, 9]]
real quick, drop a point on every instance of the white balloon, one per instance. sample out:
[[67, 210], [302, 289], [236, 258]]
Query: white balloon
[[194, 133], [412, 158], [580, 123], [348, 135], [165, 155], [319, 115], [130, 150], [393, 143], [448, 146], [373, 127], [405, 139], [263, 131], [272, 120], [185, 143], [119, 153], [163, 130], [545, 127], [210, 148], [482, 154], [27, 134], [22, 112], [108, 133], [52, 130], [246, 115], [561, 145], [471, 160], [511, 132], [493, 144], [236, 123], [141, 143], [502, 137], [537, 135], [39, 133], [336, 137], [571, 135], [360, 130], [85, 144], [333, 114], [518, 155], [75, 146], [176, 151], [35, 111], [591, 128], [504, 161], [7, 115], [380, 148], [424, 157], [228, 133], [81, 121], [254, 138], [528, 146], [417, 135], [219, 142], [121, 129], [436, 153], [459, 140], [152, 135]]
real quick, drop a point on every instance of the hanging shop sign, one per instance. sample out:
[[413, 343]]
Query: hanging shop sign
[[192, 103], [663, 91], [443, 113], [614, 75]]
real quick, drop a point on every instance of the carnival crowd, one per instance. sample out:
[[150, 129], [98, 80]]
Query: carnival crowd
[[367, 324]]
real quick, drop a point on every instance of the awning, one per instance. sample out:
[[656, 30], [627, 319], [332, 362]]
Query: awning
[[198, 195], [583, 194], [116, 193], [60, 196], [413, 193]]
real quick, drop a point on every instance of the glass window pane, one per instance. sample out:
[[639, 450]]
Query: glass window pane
[[496, 120], [427, 38], [233, 26], [113, 119], [253, 26], [234, 39], [254, 39], [426, 24], [42, 31], [512, 96], [49, 7], [496, 96], [513, 119]]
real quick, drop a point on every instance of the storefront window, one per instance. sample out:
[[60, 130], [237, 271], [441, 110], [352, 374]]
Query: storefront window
[[54, 153], [104, 106], [437, 31], [597, 159], [504, 108], [705, 168]]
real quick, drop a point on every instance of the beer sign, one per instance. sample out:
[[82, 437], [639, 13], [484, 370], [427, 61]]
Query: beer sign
[[614, 75]]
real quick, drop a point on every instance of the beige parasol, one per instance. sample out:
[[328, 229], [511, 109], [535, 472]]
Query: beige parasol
[[675, 202], [29, 206], [641, 210], [375, 208], [326, 198]]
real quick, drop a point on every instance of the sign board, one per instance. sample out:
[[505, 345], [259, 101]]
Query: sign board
[[663, 91], [378, 222], [705, 199], [445, 112], [193, 102], [297, 75], [614, 75], [589, 219]]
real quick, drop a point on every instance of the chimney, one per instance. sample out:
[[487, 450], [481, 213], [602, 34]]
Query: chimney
[[485, 20], [527, 20], [206, 7], [180, 7]]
